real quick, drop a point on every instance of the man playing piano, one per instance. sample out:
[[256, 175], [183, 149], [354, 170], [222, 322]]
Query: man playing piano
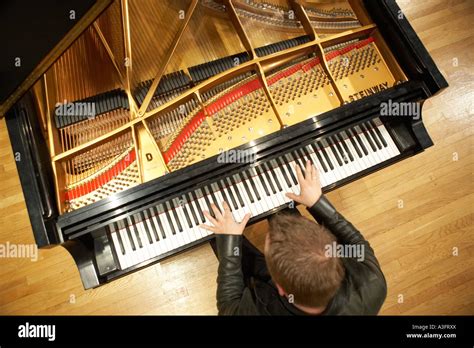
[[304, 270]]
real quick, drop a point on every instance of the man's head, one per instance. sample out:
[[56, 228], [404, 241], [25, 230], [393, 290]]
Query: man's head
[[295, 255]]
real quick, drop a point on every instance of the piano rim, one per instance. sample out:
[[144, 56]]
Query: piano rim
[[405, 45]]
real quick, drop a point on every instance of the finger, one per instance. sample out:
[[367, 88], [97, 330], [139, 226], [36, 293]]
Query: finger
[[314, 173], [216, 211], [308, 170], [246, 219], [210, 218], [299, 175], [226, 208], [292, 196], [209, 228]]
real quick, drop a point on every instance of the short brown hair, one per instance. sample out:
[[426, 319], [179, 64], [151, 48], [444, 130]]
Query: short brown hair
[[297, 261]]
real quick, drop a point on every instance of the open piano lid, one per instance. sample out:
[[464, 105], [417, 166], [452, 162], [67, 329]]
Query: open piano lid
[[35, 34]]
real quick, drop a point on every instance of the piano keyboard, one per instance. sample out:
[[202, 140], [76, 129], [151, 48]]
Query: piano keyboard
[[173, 224]]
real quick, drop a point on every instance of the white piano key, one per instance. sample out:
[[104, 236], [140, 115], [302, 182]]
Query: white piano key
[[121, 257]]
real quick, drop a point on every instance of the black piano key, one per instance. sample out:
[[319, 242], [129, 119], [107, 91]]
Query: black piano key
[[198, 206], [215, 189], [287, 160], [119, 237], [339, 148], [129, 235], [379, 134], [130, 222], [359, 141], [351, 138], [140, 218], [248, 175], [191, 208], [187, 212], [158, 213], [272, 178], [241, 177], [283, 171], [148, 222], [320, 159], [237, 192], [260, 177], [332, 147], [305, 156], [298, 161], [250, 191], [221, 185], [342, 141], [213, 197], [321, 147], [167, 209], [231, 194], [306, 152], [367, 137], [208, 202], [272, 165], [174, 206], [373, 135], [265, 172]]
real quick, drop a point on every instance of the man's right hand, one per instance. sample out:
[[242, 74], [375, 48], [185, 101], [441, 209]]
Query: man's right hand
[[310, 186]]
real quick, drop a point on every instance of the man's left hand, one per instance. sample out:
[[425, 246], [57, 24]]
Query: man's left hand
[[224, 222]]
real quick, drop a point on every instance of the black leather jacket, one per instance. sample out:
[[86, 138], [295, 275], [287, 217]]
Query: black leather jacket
[[362, 291]]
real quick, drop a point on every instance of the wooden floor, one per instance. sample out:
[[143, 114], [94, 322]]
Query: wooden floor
[[415, 244]]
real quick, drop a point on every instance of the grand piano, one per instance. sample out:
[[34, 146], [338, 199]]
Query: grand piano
[[131, 117]]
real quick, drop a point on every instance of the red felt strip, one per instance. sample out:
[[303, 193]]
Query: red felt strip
[[243, 90], [102, 179]]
